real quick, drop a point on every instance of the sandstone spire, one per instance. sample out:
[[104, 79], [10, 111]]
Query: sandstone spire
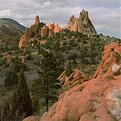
[[29, 33], [37, 20], [57, 28], [82, 24], [44, 31], [51, 29]]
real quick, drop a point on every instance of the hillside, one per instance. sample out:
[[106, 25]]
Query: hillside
[[10, 33], [11, 23], [95, 100], [69, 72]]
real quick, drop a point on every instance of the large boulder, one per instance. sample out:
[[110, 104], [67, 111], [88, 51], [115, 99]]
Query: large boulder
[[116, 69], [86, 102], [109, 65]]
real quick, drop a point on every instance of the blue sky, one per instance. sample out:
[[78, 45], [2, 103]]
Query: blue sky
[[105, 14]]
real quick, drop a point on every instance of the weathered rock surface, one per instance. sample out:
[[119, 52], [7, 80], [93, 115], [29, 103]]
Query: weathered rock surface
[[76, 77], [98, 99], [57, 28], [29, 33], [37, 20], [51, 29], [82, 24], [94, 100], [32, 118], [106, 67], [72, 24], [24, 41], [44, 31], [40, 29]]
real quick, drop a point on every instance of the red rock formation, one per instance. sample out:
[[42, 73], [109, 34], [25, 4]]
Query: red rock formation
[[37, 29], [108, 60], [29, 33], [72, 24], [44, 31], [51, 26], [82, 24], [95, 100], [51, 29], [42, 42], [76, 77], [24, 41], [57, 29], [21, 42], [37, 20]]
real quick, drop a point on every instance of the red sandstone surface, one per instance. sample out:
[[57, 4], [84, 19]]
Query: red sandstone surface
[[98, 99], [94, 100]]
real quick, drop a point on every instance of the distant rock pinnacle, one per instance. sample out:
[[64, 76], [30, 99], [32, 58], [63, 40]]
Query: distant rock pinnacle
[[82, 24], [37, 20]]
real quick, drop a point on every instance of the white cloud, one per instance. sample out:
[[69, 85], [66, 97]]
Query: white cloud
[[105, 14], [47, 3], [5, 13]]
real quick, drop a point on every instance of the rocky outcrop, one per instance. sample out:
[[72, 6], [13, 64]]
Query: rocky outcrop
[[72, 24], [44, 31], [98, 99], [34, 30], [82, 24], [37, 20], [57, 28], [51, 29], [24, 41], [109, 63], [76, 77], [95, 100]]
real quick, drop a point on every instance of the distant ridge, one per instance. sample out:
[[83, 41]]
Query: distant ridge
[[12, 23], [10, 33]]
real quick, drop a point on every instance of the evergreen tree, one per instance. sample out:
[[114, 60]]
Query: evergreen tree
[[51, 66], [45, 86], [20, 105], [11, 77]]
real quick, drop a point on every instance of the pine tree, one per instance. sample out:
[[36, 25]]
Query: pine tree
[[21, 104], [51, 66], [45, 86]]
